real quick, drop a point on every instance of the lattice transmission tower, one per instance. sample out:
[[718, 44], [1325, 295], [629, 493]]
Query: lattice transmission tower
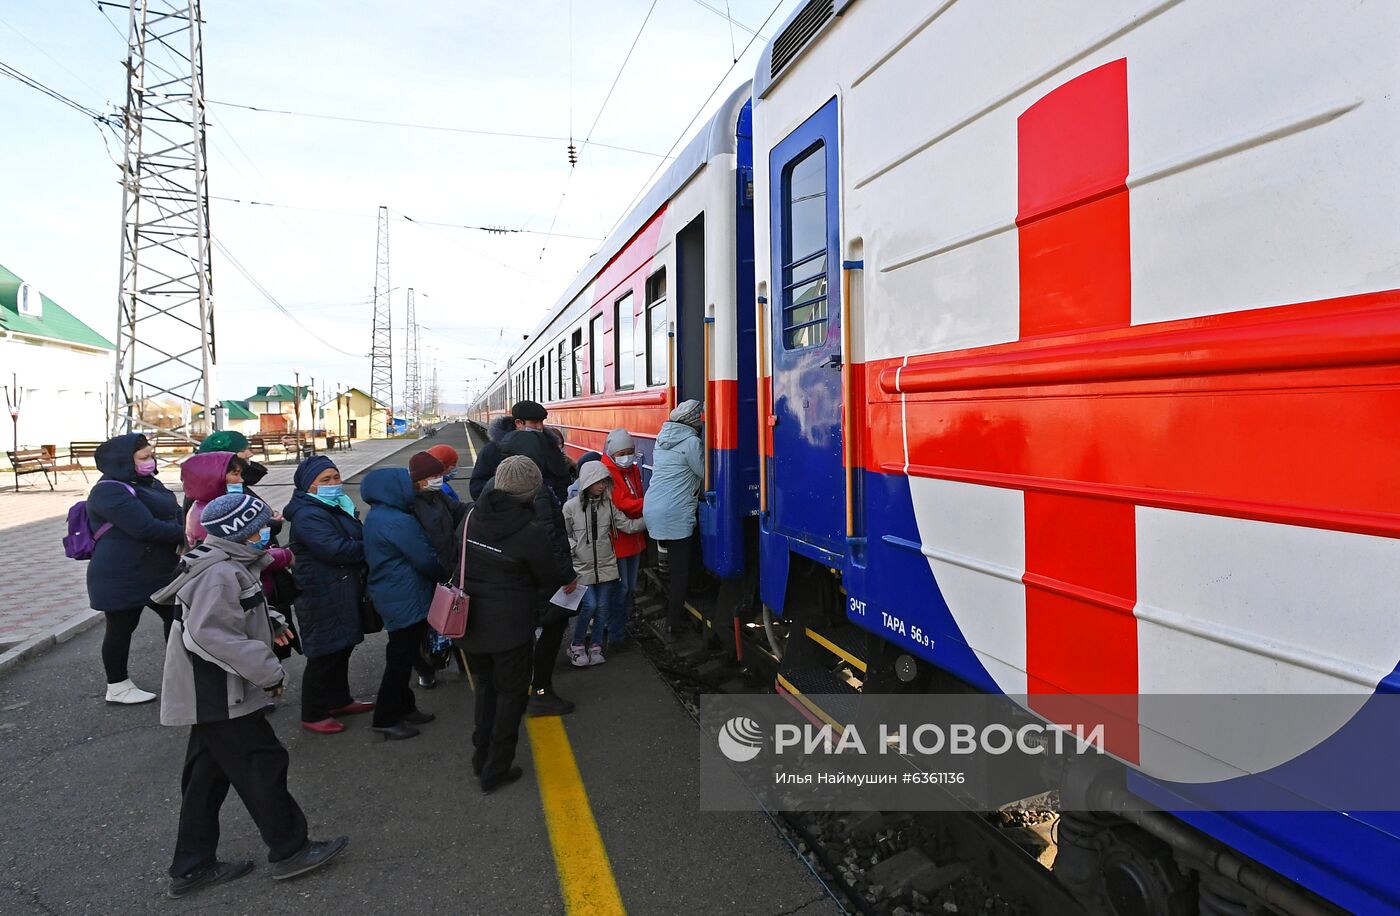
[[381, 354], [412, 383], [165, 308]]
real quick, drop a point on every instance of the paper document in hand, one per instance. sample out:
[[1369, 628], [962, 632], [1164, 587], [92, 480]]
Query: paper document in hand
[[570, 600]]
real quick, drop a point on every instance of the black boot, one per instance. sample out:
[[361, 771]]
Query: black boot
[[493, 783], [312, 856], [217, 873], [547, 703], [396, 732]]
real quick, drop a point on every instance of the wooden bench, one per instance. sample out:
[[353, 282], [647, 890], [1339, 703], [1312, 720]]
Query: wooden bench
[[258, 444], [78, 452], [33, 461], [172, 444]]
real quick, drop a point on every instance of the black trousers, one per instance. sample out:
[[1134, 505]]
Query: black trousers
[[680, 560], [116, 640], [245, 754], [502, 684], [547, 653], [395, 695], [325, 685]]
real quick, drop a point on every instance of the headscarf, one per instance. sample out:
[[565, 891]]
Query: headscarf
[[309, 470]]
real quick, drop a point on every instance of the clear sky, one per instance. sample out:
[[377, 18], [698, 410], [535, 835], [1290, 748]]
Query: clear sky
[[499, 65]]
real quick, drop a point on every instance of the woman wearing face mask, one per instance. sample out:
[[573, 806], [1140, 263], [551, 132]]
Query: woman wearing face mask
[[135, 555], [448, 456], [206, 476], [439, 518], [329, 542], [620, 458], [227, 440]]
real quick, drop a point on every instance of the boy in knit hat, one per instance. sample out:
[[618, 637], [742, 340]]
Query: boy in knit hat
[[220, 675]]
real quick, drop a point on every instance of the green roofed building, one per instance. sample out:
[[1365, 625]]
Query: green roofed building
[[58, 370]]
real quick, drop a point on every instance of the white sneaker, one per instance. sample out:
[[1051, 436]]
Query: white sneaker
[[128, 694], [595, 655], [578, 656]]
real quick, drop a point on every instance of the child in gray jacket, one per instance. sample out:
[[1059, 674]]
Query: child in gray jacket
[[220, 676], [590, 519]]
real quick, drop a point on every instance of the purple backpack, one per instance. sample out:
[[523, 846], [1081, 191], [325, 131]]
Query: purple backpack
[[81, 540]]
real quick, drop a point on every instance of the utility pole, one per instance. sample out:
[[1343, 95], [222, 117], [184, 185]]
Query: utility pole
[[381, 357], [412, 391], [165, 307], [432, 407]]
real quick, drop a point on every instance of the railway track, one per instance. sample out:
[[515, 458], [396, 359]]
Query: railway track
[[887, 863]]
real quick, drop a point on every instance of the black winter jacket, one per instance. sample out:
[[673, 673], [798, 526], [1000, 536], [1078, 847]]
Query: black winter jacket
[[538, 447], [511, 570], [440, 518], [138, 554], [330, 574]]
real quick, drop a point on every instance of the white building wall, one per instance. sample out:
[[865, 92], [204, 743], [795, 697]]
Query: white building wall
[[65, 390]]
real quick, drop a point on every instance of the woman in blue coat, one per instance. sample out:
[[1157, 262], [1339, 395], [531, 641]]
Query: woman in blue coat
[[135, 556], [677, 474], [403, 572], [329, 543]]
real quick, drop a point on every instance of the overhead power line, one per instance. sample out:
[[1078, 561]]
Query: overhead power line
[[417, 126], [686, 130], [262, 290], [52, 93], [395, 214]]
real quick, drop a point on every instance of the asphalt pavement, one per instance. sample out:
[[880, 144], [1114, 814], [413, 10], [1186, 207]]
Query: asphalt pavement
[[89, 798]]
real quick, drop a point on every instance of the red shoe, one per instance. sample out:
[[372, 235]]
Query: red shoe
[[324, 727], [353, 709]]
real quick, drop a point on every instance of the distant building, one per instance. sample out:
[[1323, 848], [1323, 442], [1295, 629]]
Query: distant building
[[355, 415], [62, 367], [282, 409], [238, 418]]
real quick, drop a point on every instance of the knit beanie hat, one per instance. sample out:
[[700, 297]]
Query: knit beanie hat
[[529, 410], [225, 440], [422, 466], [309, 470], [687, 412], [518, 476], [618, 440], [444, 453], [235, 517]]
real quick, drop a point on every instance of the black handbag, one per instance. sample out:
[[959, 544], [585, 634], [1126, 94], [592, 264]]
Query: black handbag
[[370, 621]]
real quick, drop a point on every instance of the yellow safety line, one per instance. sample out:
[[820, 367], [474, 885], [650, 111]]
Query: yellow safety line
[[811, 707], [836, 650], [471, 448], [586, 879]]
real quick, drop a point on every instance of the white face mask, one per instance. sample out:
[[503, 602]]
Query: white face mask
[[434, 483], [624, 461]]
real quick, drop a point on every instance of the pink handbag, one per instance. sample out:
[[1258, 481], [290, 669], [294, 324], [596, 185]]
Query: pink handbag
[[448, 612]]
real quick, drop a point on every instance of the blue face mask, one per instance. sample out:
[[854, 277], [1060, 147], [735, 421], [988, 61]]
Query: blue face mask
[[234, 488], [330, 492], [449, 475], [264, 538]]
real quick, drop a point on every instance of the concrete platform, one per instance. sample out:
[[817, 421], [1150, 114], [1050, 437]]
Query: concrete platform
[[89, 796]]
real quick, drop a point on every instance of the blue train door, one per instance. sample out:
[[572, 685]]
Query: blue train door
[[808, 486]]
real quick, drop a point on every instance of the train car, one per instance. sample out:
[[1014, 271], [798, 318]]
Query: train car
[[1079, 348], [664, 313]]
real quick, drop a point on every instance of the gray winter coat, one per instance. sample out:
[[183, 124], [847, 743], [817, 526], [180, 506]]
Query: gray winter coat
[[590, 523], [677, 473], [219, 662]]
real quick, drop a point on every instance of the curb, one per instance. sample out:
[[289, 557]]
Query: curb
[[37, 645]]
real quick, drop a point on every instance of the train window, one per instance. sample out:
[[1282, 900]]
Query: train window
[[542, 378], [623, 347], [563, 364], [595, 349], [578, 361], [804, 296], [658, 354]]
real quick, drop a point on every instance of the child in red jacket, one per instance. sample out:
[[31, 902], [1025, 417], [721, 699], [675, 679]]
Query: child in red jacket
[[623, 463]]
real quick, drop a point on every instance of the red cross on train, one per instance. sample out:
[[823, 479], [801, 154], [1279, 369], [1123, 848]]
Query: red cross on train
[[1047, 350]]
